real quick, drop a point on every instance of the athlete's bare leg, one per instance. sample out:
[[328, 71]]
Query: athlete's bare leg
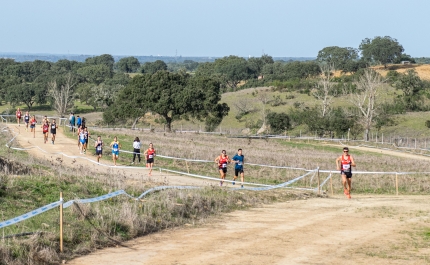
[[242, 178], [150, 169], [114, 158]]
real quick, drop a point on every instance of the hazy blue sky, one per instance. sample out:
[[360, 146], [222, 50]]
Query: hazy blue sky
[[209, 28]]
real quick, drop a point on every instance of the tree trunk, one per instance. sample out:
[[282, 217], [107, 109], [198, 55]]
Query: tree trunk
[[168, 123], [366, 135]]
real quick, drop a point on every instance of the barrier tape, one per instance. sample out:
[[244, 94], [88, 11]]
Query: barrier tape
[[122, 192]]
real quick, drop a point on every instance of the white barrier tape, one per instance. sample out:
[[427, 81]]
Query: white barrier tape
[[122, 192], [323, 183], [30, 214]]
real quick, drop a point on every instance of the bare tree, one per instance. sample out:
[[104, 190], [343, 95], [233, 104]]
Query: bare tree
[[244, 106], [368, 88], [263, 97], [324, 89], [62, 93]]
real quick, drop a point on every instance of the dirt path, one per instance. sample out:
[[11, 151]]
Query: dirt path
[[69, 147], [364, 230]]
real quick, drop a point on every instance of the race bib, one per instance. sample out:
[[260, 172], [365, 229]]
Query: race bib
[[115, 149], [99, 148], [224, 165], [150, 156], [346, 167], [239, 163]]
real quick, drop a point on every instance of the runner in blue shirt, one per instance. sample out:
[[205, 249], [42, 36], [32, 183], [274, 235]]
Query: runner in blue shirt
[[238, 159]]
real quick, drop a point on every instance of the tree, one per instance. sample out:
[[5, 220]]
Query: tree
[[61, 90], [279, 122], [152, 68], [256, 64], [338, 57], [95, 74], [368, 88], [325, 89], [128, 65], [232, 70], [171, 95], [104, 59], [411, 85], [381, 49]]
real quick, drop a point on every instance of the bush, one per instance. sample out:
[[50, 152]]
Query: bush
[[428, 123], [278, 122]]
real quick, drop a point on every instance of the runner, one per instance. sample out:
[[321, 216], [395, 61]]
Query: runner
[[116, 146], [99, 148], [222, 162], [78, 121], [79, 137], [346, 161], [54, 127], [136, 149], [87, 137], [45, 130], [33, 125], [72, 121], [238, 167], [150, 154], [18, 115], [26, 120], [45, 118], [82, 140]]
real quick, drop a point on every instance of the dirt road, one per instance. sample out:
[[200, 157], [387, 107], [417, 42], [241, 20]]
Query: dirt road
[[69, 147], [364, 230]]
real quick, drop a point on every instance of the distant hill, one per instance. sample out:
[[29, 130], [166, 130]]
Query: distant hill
[[23, 57]]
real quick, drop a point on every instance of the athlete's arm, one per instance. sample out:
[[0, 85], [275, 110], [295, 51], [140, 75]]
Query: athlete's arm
[[217, 159], [119, 146], [353, 162]]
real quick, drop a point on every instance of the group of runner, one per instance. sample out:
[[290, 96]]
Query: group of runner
[[343, 162], [30, 121]]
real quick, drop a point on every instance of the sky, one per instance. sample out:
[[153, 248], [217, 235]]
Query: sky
[[280, 28]]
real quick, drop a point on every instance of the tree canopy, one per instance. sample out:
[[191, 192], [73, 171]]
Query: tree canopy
[[339, 57], [381, 49]]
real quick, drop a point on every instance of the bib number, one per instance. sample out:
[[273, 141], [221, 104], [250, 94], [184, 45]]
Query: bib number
[[115, 149], [99, 148], [150, 156], [224, 165], [346, 167], [239, 163]]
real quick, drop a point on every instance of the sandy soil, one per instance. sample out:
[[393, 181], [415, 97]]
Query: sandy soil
[[69, 147], [363, 230]]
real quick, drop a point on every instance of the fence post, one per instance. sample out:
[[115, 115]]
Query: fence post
[[188, 169], [318, 175], [397, 185], [331, 184], [61, 221]]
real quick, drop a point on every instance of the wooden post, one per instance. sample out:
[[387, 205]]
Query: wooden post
[[382, 138], [61, 222], [188, 169], [318, 175], [397, 185], [331, 184], [415, 143]]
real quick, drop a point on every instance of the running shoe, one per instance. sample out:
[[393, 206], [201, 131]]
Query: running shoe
[[241, 186], [220, 183], [234, 182]]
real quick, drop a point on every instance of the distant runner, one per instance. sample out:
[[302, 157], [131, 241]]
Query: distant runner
[[18, 115], [79, 137], [116, 146], [344, 163], [222, 162], [136, 149], [45, 130], [150, 153], [78, 121], [82, 141], [238, 159], [99, 148], [86, 136], [54, 127], [72, 121], [33, 125], [26, 120]]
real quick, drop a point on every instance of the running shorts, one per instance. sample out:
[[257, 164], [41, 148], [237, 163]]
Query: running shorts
[[238, 171], [99, 152], [347, 174], [224, 170], [115, 153], [53, 131], [150, 161]]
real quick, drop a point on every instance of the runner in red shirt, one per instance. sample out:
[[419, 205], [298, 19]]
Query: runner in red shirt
[[222, 162], [45, 129], [150, 154], [33, 125], [344, 164], [18, 115]]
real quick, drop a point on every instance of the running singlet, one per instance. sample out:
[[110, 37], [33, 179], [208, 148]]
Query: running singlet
[[99, 146], [33, 122], [346, 163], [115, 147], [223, 162], [151, 153], [26, 118], [53, 127], [45, 128], [82, 137], [18, 114]]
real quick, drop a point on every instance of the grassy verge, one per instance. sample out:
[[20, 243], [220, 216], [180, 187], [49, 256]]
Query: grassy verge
[[108, 223]]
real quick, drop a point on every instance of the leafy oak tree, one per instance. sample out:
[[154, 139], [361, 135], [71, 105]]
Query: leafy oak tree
[[339, 57], [381, 49], [128, 65]]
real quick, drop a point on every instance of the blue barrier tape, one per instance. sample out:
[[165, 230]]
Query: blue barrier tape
[[30, 214]]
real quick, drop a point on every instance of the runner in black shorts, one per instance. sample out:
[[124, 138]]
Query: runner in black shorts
[[239, 160], [222, 162], [344, 164], [150, 154], [54, 127], [99, 148]]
